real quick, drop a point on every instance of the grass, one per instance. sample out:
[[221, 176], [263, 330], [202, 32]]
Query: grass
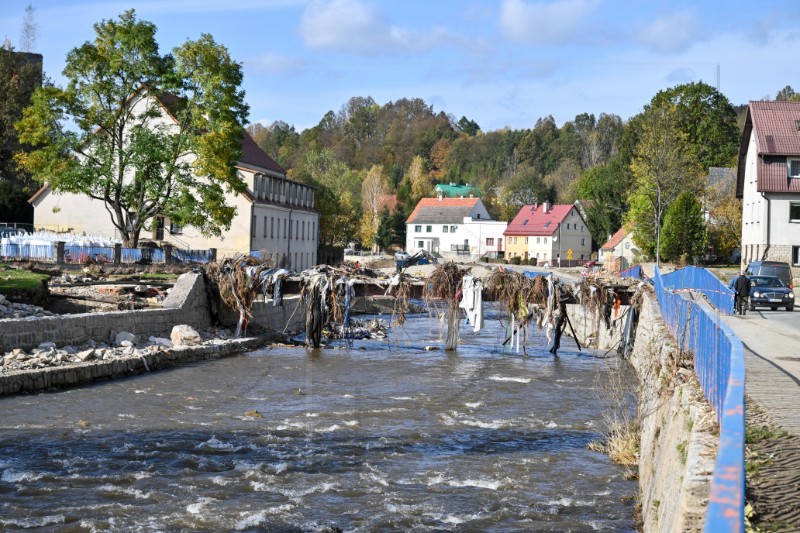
[[756, 434], [13, 280]]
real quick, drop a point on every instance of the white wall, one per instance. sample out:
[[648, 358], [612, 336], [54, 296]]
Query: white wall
[[474, 232]]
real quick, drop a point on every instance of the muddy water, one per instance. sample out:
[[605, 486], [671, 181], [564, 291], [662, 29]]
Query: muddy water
[[384, 436]]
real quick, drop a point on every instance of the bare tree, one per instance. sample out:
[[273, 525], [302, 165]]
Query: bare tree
[[30, 30]]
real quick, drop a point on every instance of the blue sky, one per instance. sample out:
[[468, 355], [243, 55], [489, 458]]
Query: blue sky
[[498, 62]]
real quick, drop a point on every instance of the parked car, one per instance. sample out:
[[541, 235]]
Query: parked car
[[770, 291], [771, 268], [590, 264], [402, 255]]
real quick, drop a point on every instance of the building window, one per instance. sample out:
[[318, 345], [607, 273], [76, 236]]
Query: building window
[[538, 240], [175, 229], [265, 227], [793, 168], [445, 228], [253, 229], [420, 244], [489, 241], [453, 229], [796, 255], [515, 240], [284, 228], [271, 227], [545, 240], [417, 229], [428, 229], [303, 234], [583, 243], [794, 212]]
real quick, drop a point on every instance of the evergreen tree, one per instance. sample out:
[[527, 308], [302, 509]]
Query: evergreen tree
[[683, 236]]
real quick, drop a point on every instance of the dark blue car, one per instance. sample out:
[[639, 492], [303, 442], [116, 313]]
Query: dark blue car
[[770, 291]]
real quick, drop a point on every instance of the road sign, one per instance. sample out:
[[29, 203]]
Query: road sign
[[569, 253]]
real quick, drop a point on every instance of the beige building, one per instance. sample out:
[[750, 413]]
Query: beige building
[[275, 215], [618, 253], [550, 234]]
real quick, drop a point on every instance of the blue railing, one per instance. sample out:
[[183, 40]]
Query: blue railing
[[21, 252], [88, 254], [719, 365], [701, 280], [100, 254], [633, 272]]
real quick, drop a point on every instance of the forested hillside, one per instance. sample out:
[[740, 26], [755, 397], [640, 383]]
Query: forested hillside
[[621, 169]]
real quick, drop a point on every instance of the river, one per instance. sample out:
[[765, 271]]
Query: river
[[383, 436]]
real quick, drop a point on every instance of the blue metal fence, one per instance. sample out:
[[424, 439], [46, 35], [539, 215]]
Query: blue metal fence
[[701, 280], [100, 254], [22, 252], [719, 364], [633, 272], [87, 254]]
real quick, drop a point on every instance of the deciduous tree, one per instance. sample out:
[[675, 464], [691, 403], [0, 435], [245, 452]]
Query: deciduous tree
[[105, 136], [684, 230]]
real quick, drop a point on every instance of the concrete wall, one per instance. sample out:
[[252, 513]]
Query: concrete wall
[[678, 442], [187, 303]]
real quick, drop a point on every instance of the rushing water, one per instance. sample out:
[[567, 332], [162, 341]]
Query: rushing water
[[381, 437]]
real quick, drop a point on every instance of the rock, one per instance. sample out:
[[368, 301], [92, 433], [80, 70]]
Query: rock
[[18, 351], [86, 355], [129, 350], [185, 335], [47, 345], [123, 336], [90, 343], [69, 349], [126, 344], [160, 341]]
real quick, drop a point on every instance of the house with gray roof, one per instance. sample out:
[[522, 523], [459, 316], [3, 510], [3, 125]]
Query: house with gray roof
[[768, 182], [453, 227]]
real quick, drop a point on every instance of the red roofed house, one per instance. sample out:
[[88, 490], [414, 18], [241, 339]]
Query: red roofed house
[[549, 233], [768, 182], [618, 253], [453, 227], [275, 214]]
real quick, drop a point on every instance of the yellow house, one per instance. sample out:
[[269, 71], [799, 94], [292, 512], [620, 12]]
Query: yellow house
[[554, 234]]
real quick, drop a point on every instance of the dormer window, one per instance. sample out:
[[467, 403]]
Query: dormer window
[[794, 168]]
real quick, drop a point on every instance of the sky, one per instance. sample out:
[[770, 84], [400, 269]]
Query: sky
[[501, 63]]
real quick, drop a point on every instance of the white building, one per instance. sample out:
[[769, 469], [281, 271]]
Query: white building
[[274, 215], [454, 227], [618, 253], [768, 182]]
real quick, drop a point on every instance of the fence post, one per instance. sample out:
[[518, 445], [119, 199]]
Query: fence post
[[117, 253], [167, 253], [212, 252], [59, 252]]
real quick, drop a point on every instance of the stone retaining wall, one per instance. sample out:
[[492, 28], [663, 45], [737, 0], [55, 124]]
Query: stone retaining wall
[[85, 373], [187, 303], [679, 436]]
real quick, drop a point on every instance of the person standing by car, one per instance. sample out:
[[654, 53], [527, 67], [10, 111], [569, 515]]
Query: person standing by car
[[742, 287]]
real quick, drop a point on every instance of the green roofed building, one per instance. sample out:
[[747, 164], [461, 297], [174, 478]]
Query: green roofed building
[[453, 190]]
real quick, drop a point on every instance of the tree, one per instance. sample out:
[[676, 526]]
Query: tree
[[418, 180], [470, 127], [373, 188], [724, 228], [663, 167], [121, 151], [337, 196], [524, 187], [787, 94], [707, 118], [14, 204], [684, 231], [20, 75], [30, 30], [607, 187]]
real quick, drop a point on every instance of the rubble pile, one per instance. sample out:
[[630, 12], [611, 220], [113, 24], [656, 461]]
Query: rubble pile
[[125, 345], [14, 310]]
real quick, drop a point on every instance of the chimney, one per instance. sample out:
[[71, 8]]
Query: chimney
[[440, 196], [546, 207]]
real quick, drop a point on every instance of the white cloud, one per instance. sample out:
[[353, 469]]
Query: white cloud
[[354, 26], [672, 33], [558, 22], [276, 63]]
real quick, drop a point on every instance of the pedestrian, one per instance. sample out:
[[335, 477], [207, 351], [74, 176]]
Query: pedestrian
[[742, 287]]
